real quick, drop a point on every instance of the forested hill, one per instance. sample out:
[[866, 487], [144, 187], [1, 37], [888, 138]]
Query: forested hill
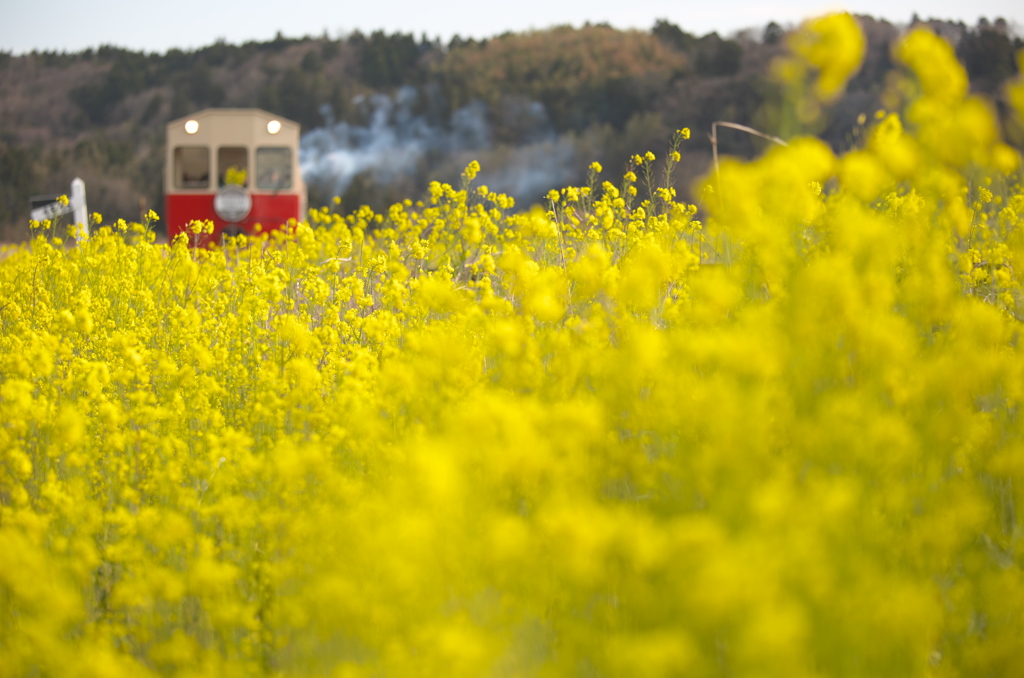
[[394, 111]]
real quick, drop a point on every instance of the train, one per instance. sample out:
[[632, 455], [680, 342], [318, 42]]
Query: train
[[236, 167]]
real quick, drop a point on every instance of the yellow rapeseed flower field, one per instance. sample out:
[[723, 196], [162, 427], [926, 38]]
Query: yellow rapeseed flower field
[[599, 437]]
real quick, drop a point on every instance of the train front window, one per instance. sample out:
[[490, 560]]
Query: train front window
[[232, 165], [191, 167], [273, 168]]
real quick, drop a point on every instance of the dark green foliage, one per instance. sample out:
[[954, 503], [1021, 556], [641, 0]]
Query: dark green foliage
[[129, 73], [711, 55], [612, 102], [201, 88], [17, 183], [313, 62], [717, 57], [191, 73], [156, 102], [180, 104], [218, 53], [279, 43], [54, 59], [101, 151], [389, 60], [176, 60], [987, 54], [296, 95], [773, 34], [674, 36], [329, 49]]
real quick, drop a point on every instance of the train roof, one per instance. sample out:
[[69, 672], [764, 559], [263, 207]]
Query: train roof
[[243, 126], [238, 112]]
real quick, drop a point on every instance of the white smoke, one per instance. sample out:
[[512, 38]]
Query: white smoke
[[531, 170], [396, 142]]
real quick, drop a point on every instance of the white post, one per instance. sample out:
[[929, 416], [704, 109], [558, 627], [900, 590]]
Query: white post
[[81, 213]]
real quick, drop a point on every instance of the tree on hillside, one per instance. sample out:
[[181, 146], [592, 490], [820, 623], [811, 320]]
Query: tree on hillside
[[673, 35], [584, 76], [987, 54], [17, 183]]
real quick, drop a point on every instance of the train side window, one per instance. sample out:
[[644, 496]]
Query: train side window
[[273, 168], [191, 167], [232, 165]]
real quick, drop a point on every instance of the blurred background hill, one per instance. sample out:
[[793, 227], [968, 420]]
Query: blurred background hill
[[383, 114]]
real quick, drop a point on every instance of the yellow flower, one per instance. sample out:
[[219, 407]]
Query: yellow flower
[[235, 175], [934, 62], [835, 46]]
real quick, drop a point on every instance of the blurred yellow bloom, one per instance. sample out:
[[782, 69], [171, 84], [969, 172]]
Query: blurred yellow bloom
[[835, 46], [775, 431]]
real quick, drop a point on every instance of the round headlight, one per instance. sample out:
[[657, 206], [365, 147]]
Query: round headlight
[[192, 126], [274, 126], [232, 203]]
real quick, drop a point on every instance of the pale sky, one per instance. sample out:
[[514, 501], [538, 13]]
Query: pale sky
[[66, 25]]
